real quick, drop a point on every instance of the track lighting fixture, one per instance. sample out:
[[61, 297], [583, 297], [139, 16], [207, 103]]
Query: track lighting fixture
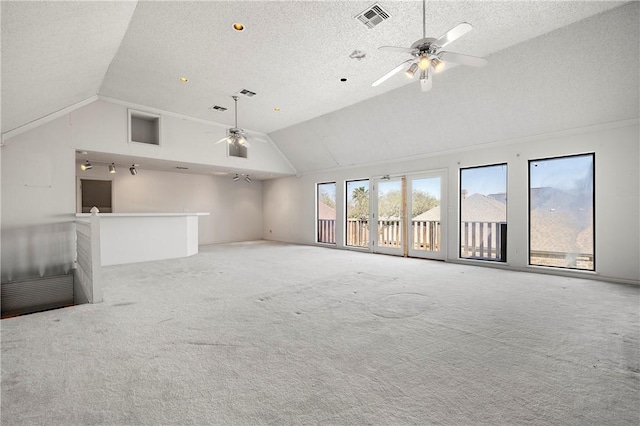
[[236, 178], [247, 178], [86, 166], [112, 168], [133, 170]]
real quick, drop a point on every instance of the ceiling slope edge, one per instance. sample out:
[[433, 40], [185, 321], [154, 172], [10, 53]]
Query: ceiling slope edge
[[47, 118]]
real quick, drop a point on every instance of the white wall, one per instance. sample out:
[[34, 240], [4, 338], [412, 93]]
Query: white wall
[[289, 203], [38, 186], [102, 126], [235, 208], [38, 201]]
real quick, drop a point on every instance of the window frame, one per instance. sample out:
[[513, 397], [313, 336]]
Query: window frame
[[317, 238], [504, 238], [593, 211]]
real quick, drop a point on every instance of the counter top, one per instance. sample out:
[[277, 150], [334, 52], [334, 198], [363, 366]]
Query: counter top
[[107, 215]]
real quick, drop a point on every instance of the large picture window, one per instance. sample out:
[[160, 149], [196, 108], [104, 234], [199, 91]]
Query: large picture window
[[357, 213], [561, 212], [326, 212], [483, 212]]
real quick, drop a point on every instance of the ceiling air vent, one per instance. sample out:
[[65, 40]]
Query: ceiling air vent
[[372, 16], [247, 93], [218, 108]]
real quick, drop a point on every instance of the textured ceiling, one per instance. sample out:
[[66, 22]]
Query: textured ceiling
[[292, 54]]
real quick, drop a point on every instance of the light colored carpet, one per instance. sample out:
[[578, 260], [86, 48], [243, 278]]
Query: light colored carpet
[[267, 333]]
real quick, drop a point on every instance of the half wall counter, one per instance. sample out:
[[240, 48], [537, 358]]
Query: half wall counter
[[143, 237]]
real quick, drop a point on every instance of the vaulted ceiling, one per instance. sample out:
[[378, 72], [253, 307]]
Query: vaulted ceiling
[[293, 54]]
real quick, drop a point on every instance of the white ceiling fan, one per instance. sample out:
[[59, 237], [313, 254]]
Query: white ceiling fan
[[236, 135], [428, 56]]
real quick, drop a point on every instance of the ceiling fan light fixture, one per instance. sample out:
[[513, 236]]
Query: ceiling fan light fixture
[[412, 70], [424, 62], [437, 65]]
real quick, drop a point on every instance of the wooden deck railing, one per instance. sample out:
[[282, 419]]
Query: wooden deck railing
[[426, 234], [483, 240], [327, 231]]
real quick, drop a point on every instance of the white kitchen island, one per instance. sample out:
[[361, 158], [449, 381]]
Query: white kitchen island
[[142, 237]]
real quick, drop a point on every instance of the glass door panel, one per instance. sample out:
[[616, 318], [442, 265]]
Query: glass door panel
[[388, 216], [357, 213], [426, 226]]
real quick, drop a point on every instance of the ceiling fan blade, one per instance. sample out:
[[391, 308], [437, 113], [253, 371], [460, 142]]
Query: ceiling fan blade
[[453, 34], [398, 49], [426, 82], [457, 58], [391, 73]]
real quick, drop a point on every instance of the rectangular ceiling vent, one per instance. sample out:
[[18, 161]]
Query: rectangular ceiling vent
[[218, 108], [247, 93], [373, 16]]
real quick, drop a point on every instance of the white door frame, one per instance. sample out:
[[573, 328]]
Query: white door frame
[[375, 244]]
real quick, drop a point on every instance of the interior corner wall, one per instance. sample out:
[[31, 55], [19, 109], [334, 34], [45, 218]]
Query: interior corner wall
[[289, 203], [235, 208], [38, 201]]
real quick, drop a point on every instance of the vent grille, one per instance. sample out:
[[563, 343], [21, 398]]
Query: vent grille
[[247, 93], [218, 108], [373, 16]]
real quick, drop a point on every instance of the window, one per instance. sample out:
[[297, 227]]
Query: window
[[326, 212], [483, 213], [357, 213], [561, 212]]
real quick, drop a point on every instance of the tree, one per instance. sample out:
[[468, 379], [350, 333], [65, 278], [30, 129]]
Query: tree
[[422, 202], [358, 206], [328, 199]]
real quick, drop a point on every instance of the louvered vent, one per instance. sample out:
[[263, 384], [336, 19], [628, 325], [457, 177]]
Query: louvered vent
[[373, 16], [247, 93], [218, 108]]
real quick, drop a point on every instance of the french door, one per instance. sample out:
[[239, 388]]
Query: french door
[[405, 215], [388, 216], [426, 209]]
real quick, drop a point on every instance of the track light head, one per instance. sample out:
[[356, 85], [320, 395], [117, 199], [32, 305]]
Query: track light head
[[236, 178], [86, 166], [112, 168], [247, 178], [133, 170]]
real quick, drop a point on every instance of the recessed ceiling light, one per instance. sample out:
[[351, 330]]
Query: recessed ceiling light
[[184, 79], [238, 26], [277, 109]]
